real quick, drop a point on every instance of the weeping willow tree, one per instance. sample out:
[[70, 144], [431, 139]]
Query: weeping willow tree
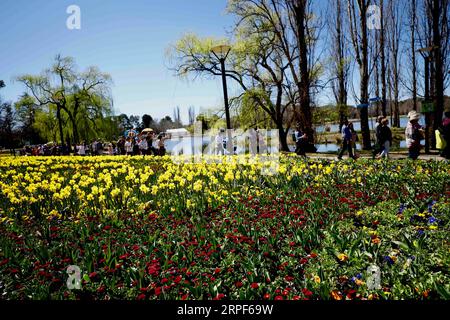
[[70, 103], [249, 112]]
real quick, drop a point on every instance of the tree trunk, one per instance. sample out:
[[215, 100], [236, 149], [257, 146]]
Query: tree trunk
[[282, 136], [364, 73], [383, 61], [305, 118], [438, 65], [413, 53], [58, 116]]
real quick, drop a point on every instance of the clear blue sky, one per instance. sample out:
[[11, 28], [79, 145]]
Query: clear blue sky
[[127, 39]]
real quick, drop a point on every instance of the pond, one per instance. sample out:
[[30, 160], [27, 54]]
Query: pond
[[187, 143]]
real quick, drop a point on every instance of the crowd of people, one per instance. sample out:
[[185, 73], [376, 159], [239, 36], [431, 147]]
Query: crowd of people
[[145, 143], [414, 134]]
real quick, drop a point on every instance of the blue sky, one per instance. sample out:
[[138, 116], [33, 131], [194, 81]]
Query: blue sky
[[127, 39]]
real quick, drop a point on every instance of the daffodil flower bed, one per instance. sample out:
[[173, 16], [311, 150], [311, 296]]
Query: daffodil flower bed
[[223, 228]]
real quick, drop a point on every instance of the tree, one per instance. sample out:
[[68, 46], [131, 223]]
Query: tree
[[26, 109], [147, 121], [439, 10], [177, 117], [135, 122], [76, 98], [340, 62], [413, 28], [271, 59], [359, 38], [394, 27], [7, 123]]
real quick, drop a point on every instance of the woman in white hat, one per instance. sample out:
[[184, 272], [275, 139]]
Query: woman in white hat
[[413, 133]]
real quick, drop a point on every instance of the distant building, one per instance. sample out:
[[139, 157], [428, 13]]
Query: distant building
[[175, 133]]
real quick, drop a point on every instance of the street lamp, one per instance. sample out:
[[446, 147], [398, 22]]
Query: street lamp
[[221, 53], [426, 54]]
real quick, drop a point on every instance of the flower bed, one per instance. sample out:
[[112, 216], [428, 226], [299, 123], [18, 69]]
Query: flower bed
[[160, 228]]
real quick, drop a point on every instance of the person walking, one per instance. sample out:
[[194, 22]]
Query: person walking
[[129, 147], [143, 145], [413, 134], [354, 139], [301, 142], [219, 140], [378, 147], [385, 139], [346, 141]]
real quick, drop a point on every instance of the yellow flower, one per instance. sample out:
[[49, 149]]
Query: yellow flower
[[433, 227], [342, 257], [336, 295], [316, 279]]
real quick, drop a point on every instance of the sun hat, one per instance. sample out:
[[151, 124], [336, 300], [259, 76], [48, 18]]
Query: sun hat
[[413, 115]]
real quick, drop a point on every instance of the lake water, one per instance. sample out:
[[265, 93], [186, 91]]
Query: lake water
[[186, 144]]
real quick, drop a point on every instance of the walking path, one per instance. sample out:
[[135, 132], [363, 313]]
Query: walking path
[[392, 155]]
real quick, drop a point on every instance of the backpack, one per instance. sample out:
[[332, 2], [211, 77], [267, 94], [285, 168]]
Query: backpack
[[440, 141]]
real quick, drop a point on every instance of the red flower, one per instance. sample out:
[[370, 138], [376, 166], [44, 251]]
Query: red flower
[[303, 261], [158, 291], [92, 274], [219, 296], [101, 289], [278, 298], [217, 270], [239, 284], [178, 279], [266, 296], [164, 280], [306, 292], [141, 296], [254, 285], [296, 298], [313, 255], [289, 278]]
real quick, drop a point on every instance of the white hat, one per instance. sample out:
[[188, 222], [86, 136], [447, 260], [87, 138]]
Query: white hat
[[413, 115]]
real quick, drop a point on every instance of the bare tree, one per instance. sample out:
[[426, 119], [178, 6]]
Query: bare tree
[[394, 31], [412, 28], [339, 53]]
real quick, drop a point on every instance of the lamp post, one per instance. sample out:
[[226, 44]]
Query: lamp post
[[426, 52], [221, 53]]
